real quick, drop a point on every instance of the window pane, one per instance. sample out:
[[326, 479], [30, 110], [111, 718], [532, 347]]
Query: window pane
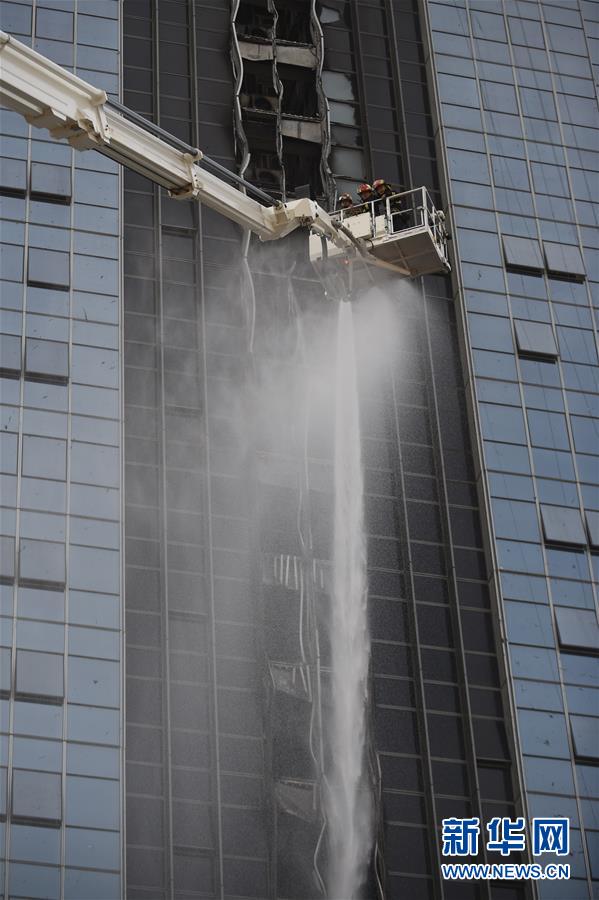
[[13, 175], [585, 733], [523, 252], [564, 258], [48, 267], [10, 353], [44, 457], [47, 359], [535, 338], [36, 795], [562, 525], [50, 181], [578, 628], [41, 561], [39, 674]]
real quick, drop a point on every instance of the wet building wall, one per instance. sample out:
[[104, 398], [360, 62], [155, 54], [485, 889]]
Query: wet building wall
[[60, 453], [517, 121], [214, 669]]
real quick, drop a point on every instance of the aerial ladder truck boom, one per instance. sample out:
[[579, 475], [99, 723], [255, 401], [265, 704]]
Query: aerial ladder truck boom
[[51, 97]]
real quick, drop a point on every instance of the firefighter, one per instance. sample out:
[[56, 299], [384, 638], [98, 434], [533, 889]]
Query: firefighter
[[397, 206], [346, 203], [366, 195]]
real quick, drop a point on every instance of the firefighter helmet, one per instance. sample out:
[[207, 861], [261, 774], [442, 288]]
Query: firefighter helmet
[[379, 185], [364, 189], [346, 200]]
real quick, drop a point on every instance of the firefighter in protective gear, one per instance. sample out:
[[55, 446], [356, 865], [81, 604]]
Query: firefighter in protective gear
[[346, 203], [366, 194], [397, 207]]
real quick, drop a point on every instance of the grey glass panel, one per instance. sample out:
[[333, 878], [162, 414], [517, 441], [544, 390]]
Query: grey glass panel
[[47, 359], [13, 175], [48, 267], [50, 181], [535, 338], [564, 259], [92, 802], [44, 457], [593, 528], [39, 844], [523, 252], [7, 557], [39, 674], [36, 795], [578, 628], [562, 525], [585, 734], [8, 453], [10, 353], [93, 849], [5, 669], [543, 734], [41, 561]]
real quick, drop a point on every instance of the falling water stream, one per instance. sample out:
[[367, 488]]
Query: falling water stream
[[349, 798]]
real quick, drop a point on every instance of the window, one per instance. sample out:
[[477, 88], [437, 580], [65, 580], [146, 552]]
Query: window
[[585, 734], [44, 457], [47, 360], [564, 259], [36, 795], [48, 267], [577, 628], [593, 528], [562, 525], [10, 354], [7, 558], [41, 561], [13, 176], [522, 253], [50, 182], [5, 670], [39, 675], [535, 338], [510, 173]]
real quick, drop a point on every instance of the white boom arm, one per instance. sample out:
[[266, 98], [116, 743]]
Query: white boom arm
[[51, 97]]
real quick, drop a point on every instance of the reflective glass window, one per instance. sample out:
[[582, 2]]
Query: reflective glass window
[[13, 175], [44, 457], [577, 345], [10, 354], [564, 259], [39, 674], [510, 173], [52, 182], [499, 97], [562, 525], [522, 252], [41, 561], [39, 844], [92, 802], [48, 267], [535, 338], [7, 557], [515, 520], [585, 734], [5, 669], [47, 359], [577, 628], [592, 520], [582, 670], [8, 452], [529, 623], [548, 429], [543, 733], [36, 795], [549, 775], [586, 434]]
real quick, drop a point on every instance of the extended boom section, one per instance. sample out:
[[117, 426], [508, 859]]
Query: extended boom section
[[51, 97]]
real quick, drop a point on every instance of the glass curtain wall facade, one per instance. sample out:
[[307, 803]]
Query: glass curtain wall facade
[[227, 501], [60, 454], [517, 126], [229, 527]]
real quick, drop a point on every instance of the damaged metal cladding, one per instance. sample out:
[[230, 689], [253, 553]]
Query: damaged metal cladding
[[281, 114]]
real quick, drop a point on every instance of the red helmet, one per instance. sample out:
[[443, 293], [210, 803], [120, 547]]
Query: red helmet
[[379, 183], [364, 189]]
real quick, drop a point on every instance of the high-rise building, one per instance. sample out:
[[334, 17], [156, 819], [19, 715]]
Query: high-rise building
[[167, 457]]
